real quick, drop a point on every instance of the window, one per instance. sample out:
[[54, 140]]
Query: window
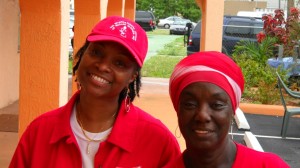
[[238, 29]]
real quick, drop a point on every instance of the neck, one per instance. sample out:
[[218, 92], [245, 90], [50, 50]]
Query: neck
[[96, 117], [222, 156]]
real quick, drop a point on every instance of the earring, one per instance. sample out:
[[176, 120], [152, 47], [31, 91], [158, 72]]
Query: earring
[[231, 127], [78, 84], [176, 130], [127, 101]]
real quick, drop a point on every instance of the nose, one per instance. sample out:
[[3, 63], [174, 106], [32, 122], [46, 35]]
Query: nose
[[104, 65], [203, 113]]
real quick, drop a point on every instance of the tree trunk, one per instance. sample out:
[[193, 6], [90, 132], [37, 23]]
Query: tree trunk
[[290, 3]]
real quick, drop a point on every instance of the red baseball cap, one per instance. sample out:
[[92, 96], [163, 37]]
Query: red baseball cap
[[123, 31]]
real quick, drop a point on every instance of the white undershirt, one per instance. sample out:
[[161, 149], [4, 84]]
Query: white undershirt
[[87, 158]]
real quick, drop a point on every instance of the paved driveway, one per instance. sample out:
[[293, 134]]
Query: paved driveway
[[157, 42]]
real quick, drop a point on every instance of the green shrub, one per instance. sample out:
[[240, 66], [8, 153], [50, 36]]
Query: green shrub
[[260, 81], [258, 52]]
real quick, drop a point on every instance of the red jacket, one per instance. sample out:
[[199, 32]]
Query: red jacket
[[137, 139], [246, 158]]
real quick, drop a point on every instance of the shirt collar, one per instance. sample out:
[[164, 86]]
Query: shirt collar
[[124, 130], [63, 128]]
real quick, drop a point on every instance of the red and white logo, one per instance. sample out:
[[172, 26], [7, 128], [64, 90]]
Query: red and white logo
[[125, 29]]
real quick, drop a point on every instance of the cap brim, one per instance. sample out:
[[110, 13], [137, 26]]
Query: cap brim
[[97, 38]]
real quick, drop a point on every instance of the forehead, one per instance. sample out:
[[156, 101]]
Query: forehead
[[109, 44], [203, 88], [113, 47]]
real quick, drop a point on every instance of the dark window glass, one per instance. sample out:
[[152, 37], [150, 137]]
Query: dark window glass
[[238, 29], [144, 15], [197, 28]]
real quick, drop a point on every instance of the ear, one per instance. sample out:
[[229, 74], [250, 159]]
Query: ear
[[133, 77]]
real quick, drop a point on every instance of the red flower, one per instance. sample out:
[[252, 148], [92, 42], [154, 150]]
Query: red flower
[[260, 36], [294, 10]]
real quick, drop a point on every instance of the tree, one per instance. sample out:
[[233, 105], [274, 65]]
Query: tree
[[164, 8], [189, 9], [290, 4]]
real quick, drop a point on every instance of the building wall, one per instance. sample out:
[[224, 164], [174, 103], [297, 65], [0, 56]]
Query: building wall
[[9, 40], [9, 55], [232, 7]]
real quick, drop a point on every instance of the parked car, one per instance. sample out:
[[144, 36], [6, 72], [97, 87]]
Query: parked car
[[179, 26], [146, 20], [235, 28], [167, 22]]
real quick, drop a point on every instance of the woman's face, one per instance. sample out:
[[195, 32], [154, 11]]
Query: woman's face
[[106, 68], [204, 115]]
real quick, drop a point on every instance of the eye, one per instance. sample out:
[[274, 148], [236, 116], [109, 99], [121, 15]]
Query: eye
[[120, 63], [218, 105], [188, 105], [95, 52]]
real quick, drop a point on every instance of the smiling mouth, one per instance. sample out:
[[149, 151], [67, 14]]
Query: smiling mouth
[[203, 131], [99, 79]]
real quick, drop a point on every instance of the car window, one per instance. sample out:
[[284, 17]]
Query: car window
[[258, 27], [238, 29], [179, 22], [197, 28], [143, 15], [243, 29]]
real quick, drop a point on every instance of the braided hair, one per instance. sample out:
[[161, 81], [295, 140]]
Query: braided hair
[[134, 87]]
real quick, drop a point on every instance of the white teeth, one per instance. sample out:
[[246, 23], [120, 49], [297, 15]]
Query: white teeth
[[201, 132], [97, 78]]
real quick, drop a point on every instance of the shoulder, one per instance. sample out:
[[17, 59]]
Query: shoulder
[[250, 157], [48, 118], [60, 115], [147, 121], [177, 163]]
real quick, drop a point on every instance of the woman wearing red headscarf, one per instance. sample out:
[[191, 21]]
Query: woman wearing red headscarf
[[206, 89]]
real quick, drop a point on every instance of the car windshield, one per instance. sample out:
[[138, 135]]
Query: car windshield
[[181, 22]]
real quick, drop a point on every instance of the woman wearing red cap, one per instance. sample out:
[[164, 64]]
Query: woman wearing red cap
[[99, 126], [205, 89]]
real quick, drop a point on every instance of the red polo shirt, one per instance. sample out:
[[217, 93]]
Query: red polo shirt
[[137, 140], [245, 158]]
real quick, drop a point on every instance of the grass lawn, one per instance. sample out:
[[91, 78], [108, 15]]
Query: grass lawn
[[162, 65]]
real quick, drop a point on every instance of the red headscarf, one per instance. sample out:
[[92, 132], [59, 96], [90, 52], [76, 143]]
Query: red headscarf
[[213, 67]]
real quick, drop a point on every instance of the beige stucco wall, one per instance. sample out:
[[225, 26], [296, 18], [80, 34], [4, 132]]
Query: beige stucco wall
[[212, 21], [232, 7], [9, 31], [9, 55]]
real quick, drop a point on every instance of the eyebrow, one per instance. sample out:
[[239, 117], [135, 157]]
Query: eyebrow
[[98, 44], [216, 94], [124, 52]]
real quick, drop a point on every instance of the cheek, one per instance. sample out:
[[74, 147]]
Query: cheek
[[81, 68], [82, 64], [181, 125], [224, 121], [127, 79], [183, 120]]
